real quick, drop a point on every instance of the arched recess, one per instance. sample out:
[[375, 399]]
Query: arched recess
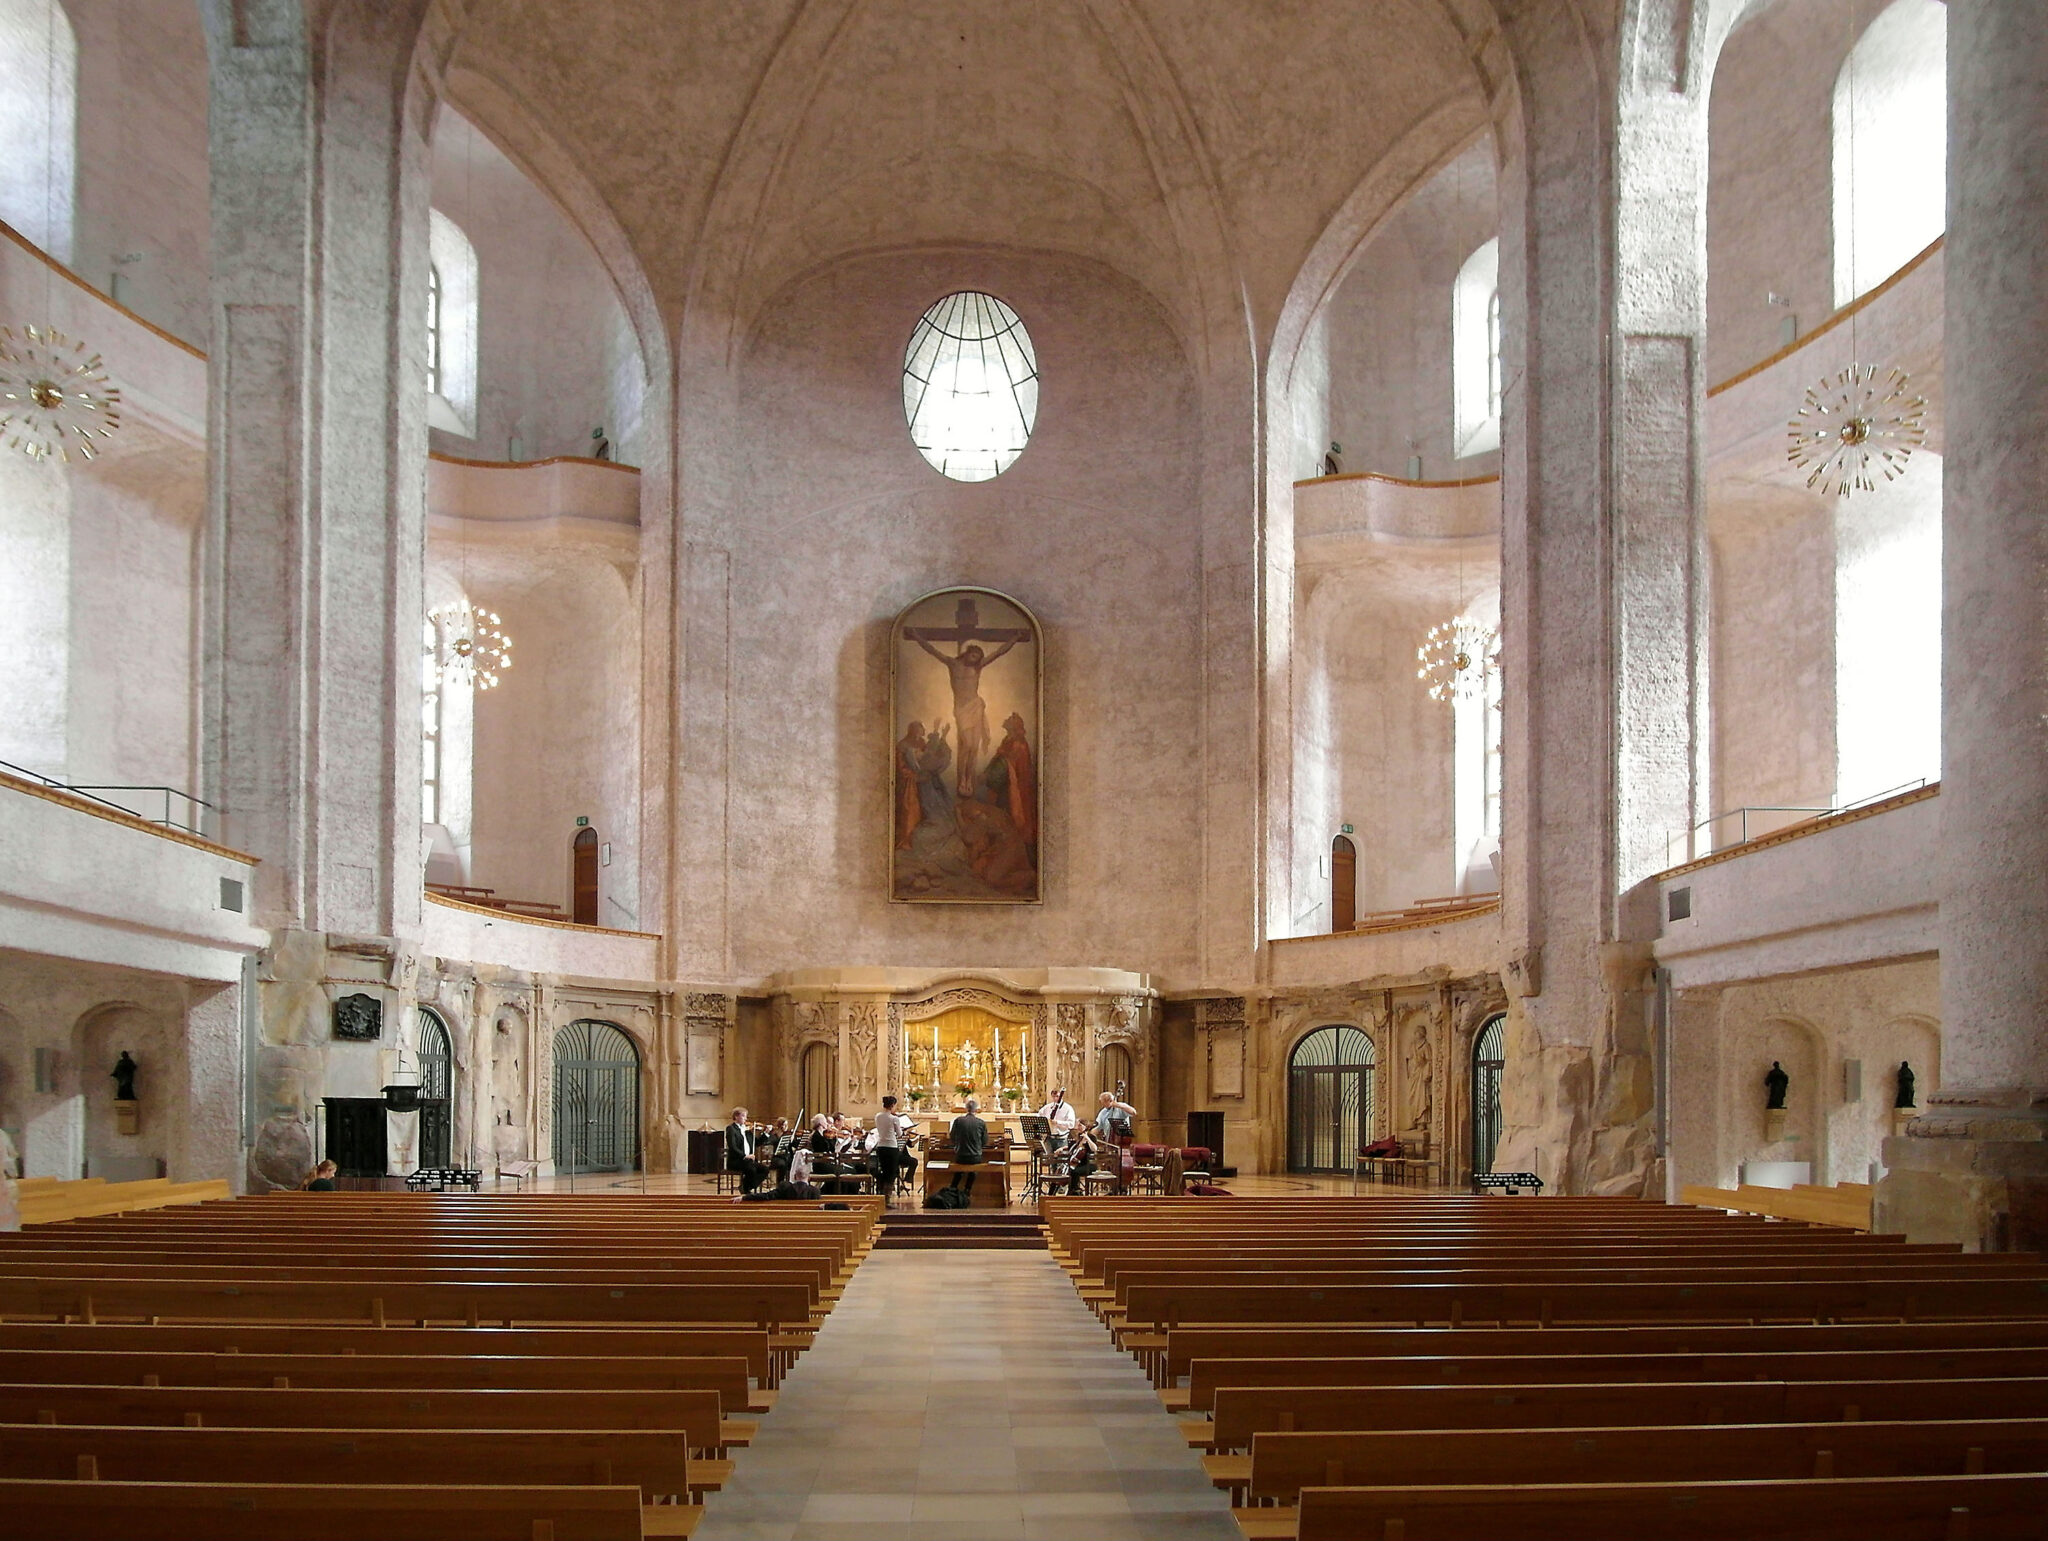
[[437, 1091], [1330, 1103], [1116, 1071], [99, 1038], [1890, 125], [597, 1098], [818, 1079]]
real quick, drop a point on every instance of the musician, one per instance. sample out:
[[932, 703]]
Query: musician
[[1079, 1156], [1113, 1120], [888, 1149], [739, 1152], [969, 1136], [781, 1144], [1060, 1114]]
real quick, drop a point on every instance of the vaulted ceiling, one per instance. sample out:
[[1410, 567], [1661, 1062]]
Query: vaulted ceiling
[[1199, 148]]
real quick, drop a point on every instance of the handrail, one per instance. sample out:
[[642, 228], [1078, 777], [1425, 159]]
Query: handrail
[[1830, 820], [1807, 815], [531, 465], [54, 792], [92, 791]]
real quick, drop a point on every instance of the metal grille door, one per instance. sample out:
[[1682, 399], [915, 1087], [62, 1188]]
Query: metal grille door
[[597, 1099], [1487, 1052], [1329, 1100], [437, 1091]]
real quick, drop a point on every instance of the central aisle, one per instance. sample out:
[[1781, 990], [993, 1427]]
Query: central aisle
[[966, 1395]]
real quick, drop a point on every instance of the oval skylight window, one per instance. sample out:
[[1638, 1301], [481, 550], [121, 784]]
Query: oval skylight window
[[970, 386]]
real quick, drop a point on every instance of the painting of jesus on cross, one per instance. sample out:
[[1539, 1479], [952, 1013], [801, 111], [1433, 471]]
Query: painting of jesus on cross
[[968, 745]]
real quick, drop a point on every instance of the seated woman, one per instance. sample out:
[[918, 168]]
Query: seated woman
[[321, 1179]]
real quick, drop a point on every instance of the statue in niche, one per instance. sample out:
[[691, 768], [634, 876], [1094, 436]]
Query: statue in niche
[[1775, 1084], [124, 1077], [1418, 1078], [1908, 1095]]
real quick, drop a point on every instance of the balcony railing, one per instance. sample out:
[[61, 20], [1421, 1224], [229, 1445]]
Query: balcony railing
[[1739, 826], [166, 806]]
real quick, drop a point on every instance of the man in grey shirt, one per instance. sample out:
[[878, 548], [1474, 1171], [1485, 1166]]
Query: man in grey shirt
[[970, 1143]]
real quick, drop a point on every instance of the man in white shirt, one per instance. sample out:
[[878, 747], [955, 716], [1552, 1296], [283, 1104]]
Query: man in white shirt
[[888, 1150], [1060, 1114]]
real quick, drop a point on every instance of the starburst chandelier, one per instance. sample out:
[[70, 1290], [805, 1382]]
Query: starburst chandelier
[[1855, 426], [470, 645], [55, 399], [1456, 656]]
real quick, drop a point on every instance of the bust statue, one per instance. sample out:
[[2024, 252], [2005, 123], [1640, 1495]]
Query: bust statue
[[1775, 1083], [1907, 1097], [124, 1077]]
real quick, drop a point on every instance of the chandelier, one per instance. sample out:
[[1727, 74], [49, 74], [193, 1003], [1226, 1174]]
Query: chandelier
[[471, 646], [1854, 427], [55, 399], [1456, 656]]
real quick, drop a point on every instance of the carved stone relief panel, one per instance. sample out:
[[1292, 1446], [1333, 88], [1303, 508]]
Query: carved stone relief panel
[[1070, 1053], [705, 1019], [863, 1036]]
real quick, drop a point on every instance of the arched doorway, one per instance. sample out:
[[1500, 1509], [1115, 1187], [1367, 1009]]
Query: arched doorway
[[818, 1078], [583, 877], [1487, 1051], [597, 1099], [1343, 884], [1116, 1071], [1329, 1099], [437, 1091]]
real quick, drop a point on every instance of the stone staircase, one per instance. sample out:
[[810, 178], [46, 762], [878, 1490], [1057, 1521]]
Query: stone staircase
[[929, 1229]]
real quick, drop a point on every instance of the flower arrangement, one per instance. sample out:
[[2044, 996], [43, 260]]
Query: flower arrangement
[[918, 1096], [1013, 1094], [964, 1087]]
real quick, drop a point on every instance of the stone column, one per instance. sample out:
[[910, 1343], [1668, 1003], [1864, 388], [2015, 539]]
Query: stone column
[[316, 438], [1974, 1168], [1603, 290]]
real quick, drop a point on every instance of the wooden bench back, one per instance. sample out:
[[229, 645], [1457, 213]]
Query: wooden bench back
[[1993, 1508], [178, 1511], [1284, 1464]]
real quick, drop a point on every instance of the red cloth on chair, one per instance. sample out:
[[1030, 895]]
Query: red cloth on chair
[[1387, 1147]]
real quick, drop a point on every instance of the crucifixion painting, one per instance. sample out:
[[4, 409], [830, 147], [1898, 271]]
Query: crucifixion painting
[[964, 817]]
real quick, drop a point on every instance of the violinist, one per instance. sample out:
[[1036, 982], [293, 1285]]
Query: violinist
[[739, 1152]]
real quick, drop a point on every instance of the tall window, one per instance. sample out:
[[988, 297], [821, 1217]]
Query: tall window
[[430, 723], [970, 387], [38, 106], [433, 330], [1475, 353], [451, 327], [1891, 145]]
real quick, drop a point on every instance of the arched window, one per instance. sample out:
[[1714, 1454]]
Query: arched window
[[38, 109], [430, 722], [437, 1090], [1488, 1054], [1329, 1099], [597, 1099], [451, 327], [1891, 145], [1475, 353]]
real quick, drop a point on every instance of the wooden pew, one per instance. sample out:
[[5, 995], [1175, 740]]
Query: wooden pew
[[1242, 1412], [754, 1345], [1210, 1375], [1547, 1304], [652, 1460], [157, 1367], [1184, 1345], [92, 1197], [1846, 1204], [1281, 1465], [377, 1301], [1986, 1508], [177, 1511], [693, 1414]]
